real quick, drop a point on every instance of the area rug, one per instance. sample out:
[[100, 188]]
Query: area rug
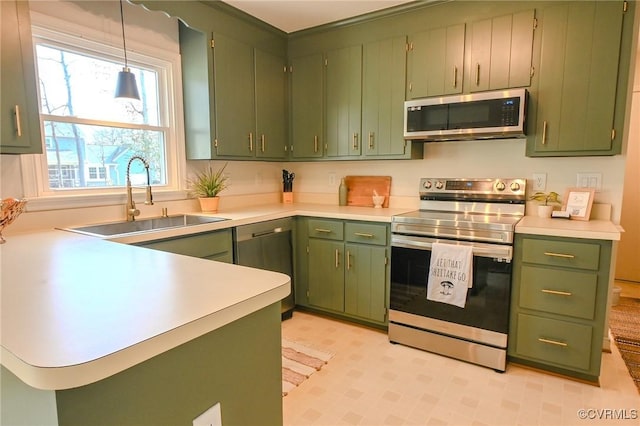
[[624, 322], [299, 362]]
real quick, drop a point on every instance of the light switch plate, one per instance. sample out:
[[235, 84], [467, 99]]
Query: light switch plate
[[589, 180]]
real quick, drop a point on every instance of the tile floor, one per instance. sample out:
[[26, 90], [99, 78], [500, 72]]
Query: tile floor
[[372, 382]]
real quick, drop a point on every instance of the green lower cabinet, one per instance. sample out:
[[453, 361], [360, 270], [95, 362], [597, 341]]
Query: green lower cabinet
[[365, 279], [326, 274], [215, 245], [341, 268], [556, 342], [558, 304]]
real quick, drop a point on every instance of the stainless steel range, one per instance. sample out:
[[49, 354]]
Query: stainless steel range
[[481, 213]]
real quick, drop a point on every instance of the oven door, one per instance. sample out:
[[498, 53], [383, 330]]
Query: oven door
[[485, 317]]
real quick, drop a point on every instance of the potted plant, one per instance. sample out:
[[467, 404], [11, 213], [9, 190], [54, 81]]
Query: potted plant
[[547, 199], [206, 186]]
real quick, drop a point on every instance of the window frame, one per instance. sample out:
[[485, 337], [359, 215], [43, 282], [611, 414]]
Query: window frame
[[35, 171]]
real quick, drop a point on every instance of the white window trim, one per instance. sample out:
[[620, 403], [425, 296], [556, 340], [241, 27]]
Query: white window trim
[[34, 169]]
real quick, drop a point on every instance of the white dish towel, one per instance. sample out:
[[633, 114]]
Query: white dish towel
[[450, 273]]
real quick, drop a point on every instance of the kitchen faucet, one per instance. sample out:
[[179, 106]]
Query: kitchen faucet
[[132, 212]]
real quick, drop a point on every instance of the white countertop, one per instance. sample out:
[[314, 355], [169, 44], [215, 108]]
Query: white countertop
[[77, 309], [594, 229]]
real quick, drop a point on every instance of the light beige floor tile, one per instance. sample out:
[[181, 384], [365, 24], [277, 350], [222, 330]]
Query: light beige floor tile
[[370, 381]]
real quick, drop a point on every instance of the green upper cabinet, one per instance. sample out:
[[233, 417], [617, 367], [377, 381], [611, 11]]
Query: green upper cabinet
[[19, 119], [500, 52], [197, 93], [436, 59], [306, 106], [575, 101], [271, 106], [234, 97], [383, 76], [343, 101], [242, 112]]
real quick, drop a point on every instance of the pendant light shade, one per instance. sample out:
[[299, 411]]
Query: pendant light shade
[[126, 86]]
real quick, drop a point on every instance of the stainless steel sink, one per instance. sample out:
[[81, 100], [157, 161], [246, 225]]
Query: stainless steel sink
[[143, 225]]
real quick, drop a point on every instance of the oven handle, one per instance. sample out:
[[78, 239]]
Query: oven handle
[[502, 253]]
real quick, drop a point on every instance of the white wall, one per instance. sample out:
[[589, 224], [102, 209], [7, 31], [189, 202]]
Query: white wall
[[497, 158]]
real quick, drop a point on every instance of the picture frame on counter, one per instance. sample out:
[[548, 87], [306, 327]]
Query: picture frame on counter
[[578, 202]]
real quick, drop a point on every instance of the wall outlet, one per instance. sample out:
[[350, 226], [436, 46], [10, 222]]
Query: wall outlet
[[211, 417], [332, 179], [539, 181], [589, 180]]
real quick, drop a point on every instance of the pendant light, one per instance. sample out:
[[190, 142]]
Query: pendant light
[[126, 86]]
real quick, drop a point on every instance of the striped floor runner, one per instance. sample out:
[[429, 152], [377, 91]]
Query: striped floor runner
[[299, 362]]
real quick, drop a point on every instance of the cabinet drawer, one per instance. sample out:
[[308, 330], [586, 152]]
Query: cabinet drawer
[[327, 229], [563, 292], [369, 233], [558, 342], [561, 253], [211, 245]]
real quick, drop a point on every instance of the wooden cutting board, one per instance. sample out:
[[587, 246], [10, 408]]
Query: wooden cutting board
[[360, 189]]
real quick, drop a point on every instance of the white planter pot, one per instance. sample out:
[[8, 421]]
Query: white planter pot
[[545, 211]]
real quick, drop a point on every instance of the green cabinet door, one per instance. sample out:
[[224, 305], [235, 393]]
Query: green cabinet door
[[197, 93], [575, 99], [234, 97], [326, 274], [271, 106], [306, 106], [365, 281], [383, 77], [436, 59], [500, 52], [343, 101], [19, 120], [216, 245]]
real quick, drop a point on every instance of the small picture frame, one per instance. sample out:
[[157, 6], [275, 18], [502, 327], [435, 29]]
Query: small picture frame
[[577, 202]]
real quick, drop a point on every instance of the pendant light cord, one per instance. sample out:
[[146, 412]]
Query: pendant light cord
[[124, 40]]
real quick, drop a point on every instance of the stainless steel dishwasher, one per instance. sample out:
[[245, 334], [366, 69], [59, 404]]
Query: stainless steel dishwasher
[[267, 245]]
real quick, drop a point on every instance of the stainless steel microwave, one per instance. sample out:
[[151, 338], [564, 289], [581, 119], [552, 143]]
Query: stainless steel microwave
[[486, 115]]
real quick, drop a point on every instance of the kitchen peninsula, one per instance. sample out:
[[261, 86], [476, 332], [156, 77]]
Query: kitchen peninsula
[[96, 332]]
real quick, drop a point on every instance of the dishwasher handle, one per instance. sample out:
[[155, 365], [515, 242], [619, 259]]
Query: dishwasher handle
[[264, 233]]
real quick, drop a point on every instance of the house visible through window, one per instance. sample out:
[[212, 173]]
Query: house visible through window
[[89, 135]]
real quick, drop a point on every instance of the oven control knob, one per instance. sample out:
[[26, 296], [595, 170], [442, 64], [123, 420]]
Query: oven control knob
[[439, 184], [427, 184], [500, 186], [515, 186]]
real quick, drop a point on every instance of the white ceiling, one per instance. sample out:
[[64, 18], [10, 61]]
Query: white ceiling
[[295, 15]]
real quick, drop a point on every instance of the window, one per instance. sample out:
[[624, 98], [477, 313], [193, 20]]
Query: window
[[89, 136]]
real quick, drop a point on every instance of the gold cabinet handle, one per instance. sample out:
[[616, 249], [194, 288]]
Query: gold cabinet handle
[[556, 292], [371, 136], [18, 125], [363, 234], [355, 141], [562, 255], [544, 132], [322, 230], [348, 260], [455, 76], [251, 141], [262, 141], [337, 258], [478, 74], [315, 143], [552, 342]]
